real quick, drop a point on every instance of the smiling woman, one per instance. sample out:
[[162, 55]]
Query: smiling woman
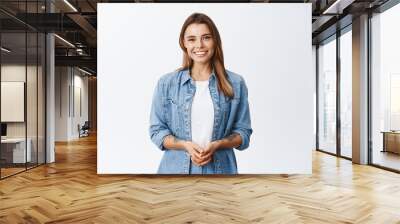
[[200, 112], [199, 43]]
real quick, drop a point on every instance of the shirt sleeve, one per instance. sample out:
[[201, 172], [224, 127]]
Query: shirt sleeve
[[158, 127], [242, 123]]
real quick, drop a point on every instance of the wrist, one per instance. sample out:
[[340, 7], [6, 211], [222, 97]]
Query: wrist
[[185, 144], [216, 144]]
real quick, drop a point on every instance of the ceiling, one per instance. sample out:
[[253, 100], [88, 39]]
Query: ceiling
[[76, 22]]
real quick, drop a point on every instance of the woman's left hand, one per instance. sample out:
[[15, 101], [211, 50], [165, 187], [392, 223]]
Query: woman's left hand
[[207, 152]]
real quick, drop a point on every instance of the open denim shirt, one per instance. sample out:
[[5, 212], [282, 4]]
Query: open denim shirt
[[170, 115]]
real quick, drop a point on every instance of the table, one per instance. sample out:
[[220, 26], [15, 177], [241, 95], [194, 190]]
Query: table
[[391, 141], [13, 150]]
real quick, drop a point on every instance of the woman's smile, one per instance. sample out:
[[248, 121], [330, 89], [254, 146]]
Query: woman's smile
[[200, 53], [199, 43]]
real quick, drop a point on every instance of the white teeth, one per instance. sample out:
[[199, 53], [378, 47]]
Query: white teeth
[[200, 53]]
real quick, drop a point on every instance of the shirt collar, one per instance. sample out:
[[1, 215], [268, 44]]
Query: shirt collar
[[186, 76]]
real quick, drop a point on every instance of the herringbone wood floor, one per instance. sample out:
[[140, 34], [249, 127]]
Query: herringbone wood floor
[[70, 191]]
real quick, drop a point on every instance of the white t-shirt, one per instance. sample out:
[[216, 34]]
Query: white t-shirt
[[202, 114]]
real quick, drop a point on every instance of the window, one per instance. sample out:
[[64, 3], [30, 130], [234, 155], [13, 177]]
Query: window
[[327, 96], [346, 94], [385, 88]]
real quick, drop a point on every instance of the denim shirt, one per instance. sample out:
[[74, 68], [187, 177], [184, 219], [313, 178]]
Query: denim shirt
[[170, 115]]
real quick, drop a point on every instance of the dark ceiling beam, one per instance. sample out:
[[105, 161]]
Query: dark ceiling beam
[[63, 7], [49, 22], [86, 26], [320, 22], [332, 29], [90, 70], [80, 20], [338, 6], [91, 5], [328, 13], [84, 61], [87, 51], [11, 25], [15, 18], [340, 16], [380, 7], [52, 22]]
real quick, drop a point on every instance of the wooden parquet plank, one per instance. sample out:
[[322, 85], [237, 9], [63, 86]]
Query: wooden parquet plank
[[70, 191]]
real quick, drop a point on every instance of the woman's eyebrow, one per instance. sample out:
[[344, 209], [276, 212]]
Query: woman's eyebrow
[[192, 36]]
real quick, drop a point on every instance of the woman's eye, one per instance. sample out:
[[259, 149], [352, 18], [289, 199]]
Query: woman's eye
[[190, 40], [207, 38]]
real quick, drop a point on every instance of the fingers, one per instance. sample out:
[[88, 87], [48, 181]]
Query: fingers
[[195, 154], [207, 154], [200, 156], [196, 161], [209, 150], [204, 162], [197, 148], [201, 160]]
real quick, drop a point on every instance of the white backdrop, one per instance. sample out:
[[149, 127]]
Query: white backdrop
[[268, 44]]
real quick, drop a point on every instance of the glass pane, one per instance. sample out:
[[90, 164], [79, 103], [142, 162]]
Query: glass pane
[[386, 89], [22, 88], [32, 95], [41, 98], [327, 97], [13, 88], [346, 94], [31, 85]]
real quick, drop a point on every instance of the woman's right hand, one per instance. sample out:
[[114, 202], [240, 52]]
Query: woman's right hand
[[195, 152]]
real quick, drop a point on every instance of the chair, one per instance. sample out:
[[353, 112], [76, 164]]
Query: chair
[[84, 130]]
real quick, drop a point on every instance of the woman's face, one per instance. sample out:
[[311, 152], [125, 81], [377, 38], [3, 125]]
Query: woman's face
[[199, 43]]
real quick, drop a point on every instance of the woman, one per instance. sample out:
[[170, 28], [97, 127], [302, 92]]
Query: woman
[[200, 112]]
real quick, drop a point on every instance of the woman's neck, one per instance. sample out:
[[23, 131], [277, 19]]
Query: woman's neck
[[201, 72]]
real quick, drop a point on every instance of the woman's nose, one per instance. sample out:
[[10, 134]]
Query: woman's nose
[[199, 43]]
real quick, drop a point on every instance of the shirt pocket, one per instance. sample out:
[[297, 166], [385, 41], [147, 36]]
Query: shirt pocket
[[229, 108], [228, 103], [173, 113]]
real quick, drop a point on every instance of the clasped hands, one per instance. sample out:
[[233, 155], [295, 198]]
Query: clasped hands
[[201, 156]]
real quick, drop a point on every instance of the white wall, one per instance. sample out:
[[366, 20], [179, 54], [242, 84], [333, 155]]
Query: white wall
[[82, 82], [61, 103], [68, 83], [268, 44]]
